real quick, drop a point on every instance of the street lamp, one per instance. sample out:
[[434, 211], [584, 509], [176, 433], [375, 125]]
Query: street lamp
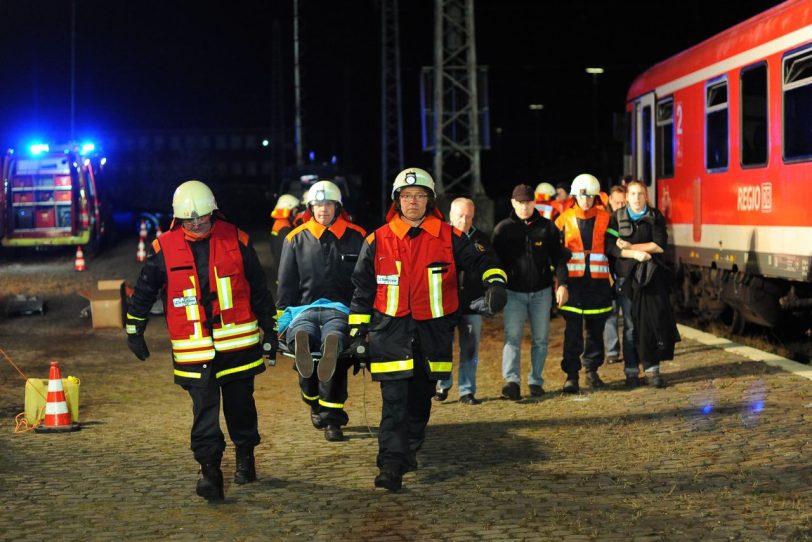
[[594, 72]]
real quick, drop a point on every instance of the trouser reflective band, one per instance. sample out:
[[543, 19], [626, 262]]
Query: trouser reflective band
[[330, 405], [310, 397], [391, 366], [187, 374], [585, 311], [245, 367], [440, 366]]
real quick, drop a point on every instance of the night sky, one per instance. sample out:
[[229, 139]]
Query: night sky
[[145, 65]]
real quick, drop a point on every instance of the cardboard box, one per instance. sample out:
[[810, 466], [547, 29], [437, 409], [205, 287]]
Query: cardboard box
[[107, 304]]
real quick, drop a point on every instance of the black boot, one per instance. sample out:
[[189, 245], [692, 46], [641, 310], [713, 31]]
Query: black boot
[[246, 471], [389, 478], [210, 485], [593, 380], [571, 384]]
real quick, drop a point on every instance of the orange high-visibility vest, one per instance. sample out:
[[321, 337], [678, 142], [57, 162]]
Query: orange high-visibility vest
[[235, 326], [598, 262], [416, 276]]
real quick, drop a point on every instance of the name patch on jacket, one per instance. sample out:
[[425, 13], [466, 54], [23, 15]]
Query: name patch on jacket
[[186, 301], [389, 280]]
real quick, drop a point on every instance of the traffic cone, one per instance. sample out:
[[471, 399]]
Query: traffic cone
[[79, 261], [57, 416], [143, 231], [141, 254]]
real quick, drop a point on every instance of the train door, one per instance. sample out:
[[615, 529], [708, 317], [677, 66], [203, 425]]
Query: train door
[[642, 132]]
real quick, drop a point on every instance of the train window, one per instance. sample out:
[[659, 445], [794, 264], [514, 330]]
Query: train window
[[797, 88], [665, 138], [716, 130], [754, 136]]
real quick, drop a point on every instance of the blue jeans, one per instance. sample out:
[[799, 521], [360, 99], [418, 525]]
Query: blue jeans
[[318, 323], [470, 329], [610, 333], [519, 306]]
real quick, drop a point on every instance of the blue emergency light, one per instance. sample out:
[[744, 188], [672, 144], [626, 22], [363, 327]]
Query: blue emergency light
[[39, 148], [87, 148]]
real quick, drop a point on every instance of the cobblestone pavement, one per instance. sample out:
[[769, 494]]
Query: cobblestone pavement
[[723, 453]]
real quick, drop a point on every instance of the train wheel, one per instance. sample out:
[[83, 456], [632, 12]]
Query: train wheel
[[737, 322]]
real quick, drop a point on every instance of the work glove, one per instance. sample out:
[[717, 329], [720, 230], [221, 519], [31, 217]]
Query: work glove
[[269, 346], [138, 346], [495, 297], [359, 346], [479, 306]]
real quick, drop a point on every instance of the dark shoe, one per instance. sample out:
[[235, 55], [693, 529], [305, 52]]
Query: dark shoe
[[536, 390], [656, 381], [304, 361], [613, 359], [316, 420], [389, 478], [210, 485], [329, 359], [333, 433], [594, 381], [469, 399], [246, 471], [511, 391], [571, 385], [632, 381], [441, 395]]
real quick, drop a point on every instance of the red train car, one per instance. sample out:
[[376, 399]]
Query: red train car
[[722, 135]]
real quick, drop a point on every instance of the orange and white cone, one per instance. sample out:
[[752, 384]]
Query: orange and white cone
[[57, 416], [79, 261], [141, 254], [142, 233]]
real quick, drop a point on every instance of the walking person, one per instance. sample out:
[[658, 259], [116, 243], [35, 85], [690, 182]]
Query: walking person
[[220, 317], [646, 280], [315, 290], [405, 306], [282, 216], [469, 329], [530, 251]]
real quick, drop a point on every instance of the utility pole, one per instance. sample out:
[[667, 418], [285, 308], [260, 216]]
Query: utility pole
[[297, 86], [72, 69], [391, 100], [277, 142]]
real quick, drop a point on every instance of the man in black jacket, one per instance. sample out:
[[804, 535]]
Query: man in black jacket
[[529, 248], [472, 305]]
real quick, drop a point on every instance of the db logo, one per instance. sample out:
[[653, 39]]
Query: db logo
[[755, 198]]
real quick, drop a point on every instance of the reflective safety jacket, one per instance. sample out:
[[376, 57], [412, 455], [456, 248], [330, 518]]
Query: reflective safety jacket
[[547, 208], [585, 236], [411, 272]]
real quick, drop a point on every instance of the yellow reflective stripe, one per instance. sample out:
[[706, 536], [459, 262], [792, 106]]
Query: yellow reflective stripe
[[435, 291], [494, 271], [131, 329], [585, 311], [310, 398], [186, 344], [391, 366], [192, 311], [224, 291], [233, 344], [187, 357], [330, 405], [440, 366], [279, 314], [229, 330], [134, 317], [245, 367], [392, 294], [187, 374], [356, 319]]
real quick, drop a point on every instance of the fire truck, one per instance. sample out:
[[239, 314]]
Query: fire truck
[[51, 198]]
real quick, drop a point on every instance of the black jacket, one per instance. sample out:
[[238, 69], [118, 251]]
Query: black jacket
[[470, 284], [530, 251], [647, 229], [318, 263]]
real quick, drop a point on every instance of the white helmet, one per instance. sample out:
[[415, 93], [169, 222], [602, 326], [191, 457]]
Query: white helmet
[[545, 189], [286, 201], [193, 199], [323, 191], [413, 177], [585, 185]]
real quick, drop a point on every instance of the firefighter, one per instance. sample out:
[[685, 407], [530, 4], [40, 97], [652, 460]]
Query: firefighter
[[406, 304], [220, 316], [315, 290], [545, 203], [584, 229], [282, 215]]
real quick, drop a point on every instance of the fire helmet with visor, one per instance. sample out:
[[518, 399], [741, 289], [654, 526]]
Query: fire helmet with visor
[[193, 199], [287, 201], [412, 177], [323, 192], [585, 185], [546, 190]]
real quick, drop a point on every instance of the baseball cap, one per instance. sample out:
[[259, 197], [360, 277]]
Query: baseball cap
[[523, 192]]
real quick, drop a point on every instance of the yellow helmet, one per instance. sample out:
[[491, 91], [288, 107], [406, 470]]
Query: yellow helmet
[[323, 191], [545, 189], [193, 199], [286, 201], [585, 185], [413, 177]]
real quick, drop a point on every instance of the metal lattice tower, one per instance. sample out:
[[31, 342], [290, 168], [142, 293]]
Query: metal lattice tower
[[457, 119], [391, 102]]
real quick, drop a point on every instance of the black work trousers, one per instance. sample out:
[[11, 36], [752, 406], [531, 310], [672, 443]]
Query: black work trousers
[[405, 415], [327, 398], [239, 410], [582, 335]]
